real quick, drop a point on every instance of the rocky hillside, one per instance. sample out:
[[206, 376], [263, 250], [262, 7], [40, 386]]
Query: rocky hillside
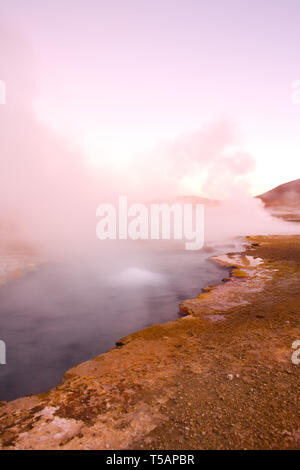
[[284, 200]]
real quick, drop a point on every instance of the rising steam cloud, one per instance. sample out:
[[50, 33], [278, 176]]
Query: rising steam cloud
[[49, 195]]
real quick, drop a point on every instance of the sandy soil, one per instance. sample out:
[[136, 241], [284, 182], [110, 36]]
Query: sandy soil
[[219, 378]]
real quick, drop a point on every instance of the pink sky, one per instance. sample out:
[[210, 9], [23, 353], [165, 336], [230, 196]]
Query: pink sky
[[121, 77]]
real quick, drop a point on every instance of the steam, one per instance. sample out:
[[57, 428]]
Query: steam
[[135, 276], [242, 216], [46, 188], [50, 195], [212, 154]]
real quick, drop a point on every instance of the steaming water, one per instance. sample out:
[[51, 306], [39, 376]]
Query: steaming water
[[60, 316]]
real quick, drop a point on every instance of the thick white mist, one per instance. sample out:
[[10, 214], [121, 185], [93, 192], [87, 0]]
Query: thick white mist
[[50, 195]]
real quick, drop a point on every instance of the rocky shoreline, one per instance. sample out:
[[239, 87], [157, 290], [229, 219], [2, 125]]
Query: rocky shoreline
[[220, 377]]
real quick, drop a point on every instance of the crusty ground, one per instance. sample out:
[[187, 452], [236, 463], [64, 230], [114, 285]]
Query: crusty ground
[[192, 383]]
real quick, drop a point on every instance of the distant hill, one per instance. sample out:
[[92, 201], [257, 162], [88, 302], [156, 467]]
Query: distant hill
[[287, 194], [284, 200]]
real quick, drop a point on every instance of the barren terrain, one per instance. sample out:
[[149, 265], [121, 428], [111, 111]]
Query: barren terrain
[[220, 377]]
